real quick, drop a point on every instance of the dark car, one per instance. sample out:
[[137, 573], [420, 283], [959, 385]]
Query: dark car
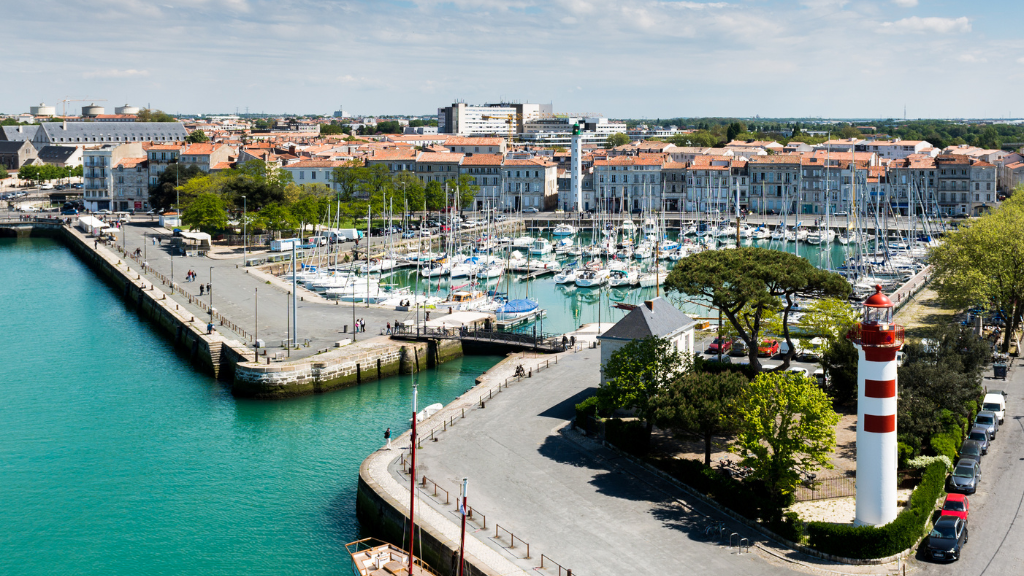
[[947, 538], [980, 435], [960, 216], [989, 421], [739, 348], [965, 477], [971, 449], [77, 186]]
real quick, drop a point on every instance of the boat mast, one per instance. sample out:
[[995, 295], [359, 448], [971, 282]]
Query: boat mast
[[412, 486]]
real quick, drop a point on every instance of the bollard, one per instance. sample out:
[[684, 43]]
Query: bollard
[[463, 412], [530, 375]]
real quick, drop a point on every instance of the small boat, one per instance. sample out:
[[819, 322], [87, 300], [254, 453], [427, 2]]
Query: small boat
[[436, 269], [649, 279], [564, 230], [515, 309], [465, 300], [567, 276], [591, 278], [372, 557], [523, 242], [540, 247], [623, 278]]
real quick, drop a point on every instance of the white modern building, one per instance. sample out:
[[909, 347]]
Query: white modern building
[[487, 119]]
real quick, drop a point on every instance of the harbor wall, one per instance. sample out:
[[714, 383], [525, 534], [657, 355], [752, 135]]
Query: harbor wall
[[349, 365]]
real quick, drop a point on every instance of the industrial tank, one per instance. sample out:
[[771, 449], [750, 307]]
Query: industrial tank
[[92, 110], [126, 109], [42, 110]]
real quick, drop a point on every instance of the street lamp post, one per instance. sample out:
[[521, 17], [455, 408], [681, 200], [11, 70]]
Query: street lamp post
[[210, 292], [244, 239]]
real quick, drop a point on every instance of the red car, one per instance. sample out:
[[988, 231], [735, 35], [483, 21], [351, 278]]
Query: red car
[[723, 342], [769, 348], [956, 505]]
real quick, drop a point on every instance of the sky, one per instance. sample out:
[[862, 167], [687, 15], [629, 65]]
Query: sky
[[621, 59]]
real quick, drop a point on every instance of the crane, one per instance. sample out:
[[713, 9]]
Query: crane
[[511, 119], [64, 112]]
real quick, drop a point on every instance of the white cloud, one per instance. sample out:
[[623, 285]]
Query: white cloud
[[971, 58], [115, 73], [905, 3], [1020, 60], [929, 24]]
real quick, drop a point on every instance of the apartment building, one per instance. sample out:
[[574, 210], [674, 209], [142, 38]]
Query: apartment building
[[477, 145], [98, 174], [629, 182], [896, 149], [161, 156], [130, 177], [487, 119], [531, 183], [308, 172], [709, 183], [774, 183], [486, 171], [205, 155], [438, 166]]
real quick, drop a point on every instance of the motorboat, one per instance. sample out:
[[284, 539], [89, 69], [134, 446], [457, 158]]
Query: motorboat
[[468, 267], [523, 242], [376, 265], [465, 300], [564, 230], [623, 278], [514, 309], [628, 228], [540, 247], [652, 278], [567, 276], [436, 269], [689, 230], [592, 278], [492, 270]]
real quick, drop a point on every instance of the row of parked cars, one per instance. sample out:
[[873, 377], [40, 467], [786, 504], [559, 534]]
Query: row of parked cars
[[950, 531], [767, 348]]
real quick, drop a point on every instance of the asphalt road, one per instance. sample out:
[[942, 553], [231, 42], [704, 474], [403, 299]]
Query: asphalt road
[[995, 542]]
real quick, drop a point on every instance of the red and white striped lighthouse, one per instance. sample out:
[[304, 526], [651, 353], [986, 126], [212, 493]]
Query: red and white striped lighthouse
[[877, 340]]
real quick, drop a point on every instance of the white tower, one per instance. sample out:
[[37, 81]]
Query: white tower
[[576, 166], [877, 340]]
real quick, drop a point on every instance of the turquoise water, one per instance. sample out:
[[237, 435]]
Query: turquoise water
[[118, 458]]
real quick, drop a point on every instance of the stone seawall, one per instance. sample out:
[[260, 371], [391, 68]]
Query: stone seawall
[[347, 366]]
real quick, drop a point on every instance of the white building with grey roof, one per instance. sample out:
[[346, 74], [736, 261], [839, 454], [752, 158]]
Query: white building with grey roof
[[82, 133], [656, 317]]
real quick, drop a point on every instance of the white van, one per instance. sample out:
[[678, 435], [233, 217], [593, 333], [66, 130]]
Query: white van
[[995, 403]]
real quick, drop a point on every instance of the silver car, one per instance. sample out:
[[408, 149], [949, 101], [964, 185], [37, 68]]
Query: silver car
[[989, 421], [965, 477]]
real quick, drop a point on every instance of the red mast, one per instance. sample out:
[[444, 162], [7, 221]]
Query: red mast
[[412, 487]]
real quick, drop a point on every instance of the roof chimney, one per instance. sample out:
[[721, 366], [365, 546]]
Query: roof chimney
[[649, 304], [64, 125]]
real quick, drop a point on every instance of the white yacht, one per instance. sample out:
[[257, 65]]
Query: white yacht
[[523, 242], [651, 278], [592, 278], [436, 270], [623, 278], [540, 247], [564, 230], [567, 276]]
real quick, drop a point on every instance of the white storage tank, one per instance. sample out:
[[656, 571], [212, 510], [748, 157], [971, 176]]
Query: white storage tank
[[127, 110], [42, 110], [92, 110]]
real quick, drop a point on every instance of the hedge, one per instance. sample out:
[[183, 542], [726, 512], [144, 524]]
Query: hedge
[[628, 435], [733, 494], [585, 409], [894, 537]]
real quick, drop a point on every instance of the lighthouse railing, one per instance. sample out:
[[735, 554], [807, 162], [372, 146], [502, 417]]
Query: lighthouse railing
[[893, 336]]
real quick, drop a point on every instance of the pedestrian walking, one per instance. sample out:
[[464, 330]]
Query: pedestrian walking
[[389, 328], [387, 436], [201, 289], [572, 341], [209, 289], [565, 342]]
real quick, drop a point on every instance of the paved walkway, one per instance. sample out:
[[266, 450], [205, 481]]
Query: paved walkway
[[236, 290], [578, 503]]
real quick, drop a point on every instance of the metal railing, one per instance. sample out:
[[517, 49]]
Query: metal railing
[[561, 569], [837, 487], [892, 338], [512, 539]]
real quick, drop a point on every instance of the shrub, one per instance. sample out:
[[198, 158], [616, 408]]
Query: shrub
[[925, 461], [946, 444], [631, 436], [738, 496], [789, 526], [894, 537], [904, 453], [586, 409]]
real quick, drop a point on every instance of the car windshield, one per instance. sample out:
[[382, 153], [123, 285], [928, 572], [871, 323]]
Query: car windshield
[[963, 472], [991, 407], [984, 420], [979, 436], [954, 506], [943, 532], [970, 450]]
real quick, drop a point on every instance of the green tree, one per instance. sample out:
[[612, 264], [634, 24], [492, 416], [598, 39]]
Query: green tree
[[333, 129], [28, 172], [465, 186], [746, 284], [164, 193], [700, 138], [434, 194], [787, 425], [617, 139], [308, 209], [839, 361], [389, 127], [849, 132], [701, 403], [3, 173], [205, 212], [408, 191], [276, 217], [830, 319], [147, 115], [197, 136], [635, 373], [734, 130], [984, 263]]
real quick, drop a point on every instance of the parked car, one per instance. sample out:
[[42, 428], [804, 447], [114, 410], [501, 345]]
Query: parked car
[[46, 187], [407, 235], [970, 450], [947, 538], [956, 505], [797, 370], [979, 435], [768, 347], [77, 185], [717, 343], [965, 477], [995, 403], [739, 348], [989, 421], [530, 210]]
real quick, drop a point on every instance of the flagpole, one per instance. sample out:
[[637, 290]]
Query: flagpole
[[464, 510], [412, 488]]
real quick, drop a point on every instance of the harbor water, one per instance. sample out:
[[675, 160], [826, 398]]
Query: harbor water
[[119, 458]]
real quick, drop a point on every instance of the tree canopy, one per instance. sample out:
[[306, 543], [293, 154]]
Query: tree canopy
[[982, 263], [701, 403], [205, 212], [787, 424], [748, 284], [636, 372], [197, 136], [617, 139], [147, 115]]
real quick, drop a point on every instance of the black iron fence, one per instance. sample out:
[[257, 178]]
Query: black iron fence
[[835, 487]]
